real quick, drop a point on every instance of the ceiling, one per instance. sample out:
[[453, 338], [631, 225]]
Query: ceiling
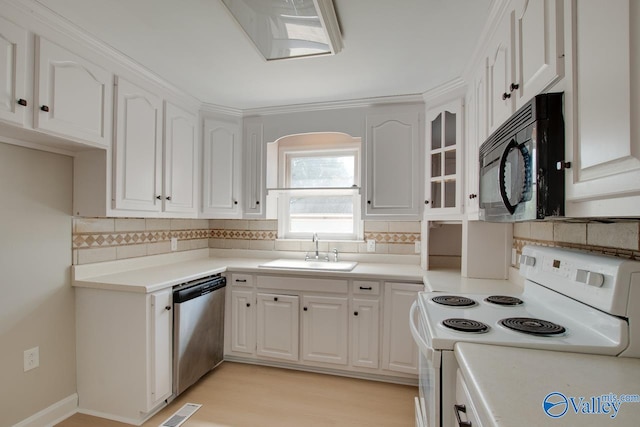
[[391, 48]]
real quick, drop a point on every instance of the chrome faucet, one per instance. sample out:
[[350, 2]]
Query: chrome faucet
[[315, 239]]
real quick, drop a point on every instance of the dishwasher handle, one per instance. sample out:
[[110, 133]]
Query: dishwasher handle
[[198, 288]]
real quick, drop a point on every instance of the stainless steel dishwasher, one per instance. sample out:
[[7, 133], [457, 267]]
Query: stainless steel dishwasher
[[198, 329]]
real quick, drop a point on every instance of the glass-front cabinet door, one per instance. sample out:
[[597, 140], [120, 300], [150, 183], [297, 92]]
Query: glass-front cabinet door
[[444, 160]]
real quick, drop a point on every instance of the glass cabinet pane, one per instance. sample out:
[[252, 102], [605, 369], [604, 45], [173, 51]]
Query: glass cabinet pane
[[449, 194], [449, 129], [450, 162], [436, 165], [436, 132], [436, 194]]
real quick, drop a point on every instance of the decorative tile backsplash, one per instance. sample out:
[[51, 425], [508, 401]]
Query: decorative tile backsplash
[[108, 239], [617, 238]]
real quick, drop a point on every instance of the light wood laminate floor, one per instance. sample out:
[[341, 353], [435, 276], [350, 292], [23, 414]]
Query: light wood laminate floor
[[238, 395]]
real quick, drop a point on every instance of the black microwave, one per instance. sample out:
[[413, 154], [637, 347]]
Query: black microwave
[[522, 162]]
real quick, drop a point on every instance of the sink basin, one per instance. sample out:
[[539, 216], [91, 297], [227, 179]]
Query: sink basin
[[299, 264]]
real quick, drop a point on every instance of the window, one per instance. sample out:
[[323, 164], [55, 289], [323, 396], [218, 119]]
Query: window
[[319, 180]]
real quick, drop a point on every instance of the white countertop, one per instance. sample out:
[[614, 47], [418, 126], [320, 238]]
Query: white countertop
[[150, 274], [508, 385], [451, 281]]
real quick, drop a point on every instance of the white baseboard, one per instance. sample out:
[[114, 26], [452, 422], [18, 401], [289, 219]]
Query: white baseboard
[[53, 414]]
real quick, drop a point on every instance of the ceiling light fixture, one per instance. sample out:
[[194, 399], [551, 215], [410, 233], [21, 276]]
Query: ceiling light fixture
[[282, 29]]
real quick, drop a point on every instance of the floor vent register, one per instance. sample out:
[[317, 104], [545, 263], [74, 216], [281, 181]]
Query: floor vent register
[[181, 415]]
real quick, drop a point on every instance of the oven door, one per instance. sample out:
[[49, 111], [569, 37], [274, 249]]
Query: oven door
[[428, 405]]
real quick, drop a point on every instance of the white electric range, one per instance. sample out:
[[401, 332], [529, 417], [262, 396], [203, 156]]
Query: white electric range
[[572, 302]]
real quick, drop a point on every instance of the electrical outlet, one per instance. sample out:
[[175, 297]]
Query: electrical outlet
[[371, 245], [174, 243], [31, 358], [417, 247], [514, 256]]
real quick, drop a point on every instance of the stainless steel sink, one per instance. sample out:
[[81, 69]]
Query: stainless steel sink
[[298, 264]]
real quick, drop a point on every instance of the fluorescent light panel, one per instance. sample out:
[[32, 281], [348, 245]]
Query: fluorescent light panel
[[282, 29]]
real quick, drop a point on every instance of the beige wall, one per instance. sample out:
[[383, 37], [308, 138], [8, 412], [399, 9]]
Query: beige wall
[[619, 238], [37, 303]]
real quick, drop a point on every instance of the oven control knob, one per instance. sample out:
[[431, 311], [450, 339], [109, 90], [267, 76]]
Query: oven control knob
[[589, 278], [527, 260]]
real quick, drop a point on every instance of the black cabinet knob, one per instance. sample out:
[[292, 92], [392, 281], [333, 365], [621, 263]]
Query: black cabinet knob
[[168, 197], [426, 202], [355, 313], [235, 202], [368, 202], [506, 96], [304, 308], [473, 196], [159, 197], [45, 108], [168, 307], [248, 304], [513, 86], [257, 202], [22, 102], [275, 298]]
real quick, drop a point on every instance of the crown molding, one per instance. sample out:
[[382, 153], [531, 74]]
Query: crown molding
[[445, 92], [220, 109], [333, 105]]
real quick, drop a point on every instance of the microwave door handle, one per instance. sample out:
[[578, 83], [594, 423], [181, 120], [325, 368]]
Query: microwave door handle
[[501, 185]]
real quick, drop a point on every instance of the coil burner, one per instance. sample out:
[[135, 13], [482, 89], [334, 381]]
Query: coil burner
[[465, 325], [503, 300], [453, 301], [531, 326]]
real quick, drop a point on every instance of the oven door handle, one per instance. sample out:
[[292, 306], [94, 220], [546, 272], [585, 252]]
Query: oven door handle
[[423, 347]]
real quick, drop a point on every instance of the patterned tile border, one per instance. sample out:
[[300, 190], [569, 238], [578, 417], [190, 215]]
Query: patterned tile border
[[101, 240], [519, 243], [113, 239]]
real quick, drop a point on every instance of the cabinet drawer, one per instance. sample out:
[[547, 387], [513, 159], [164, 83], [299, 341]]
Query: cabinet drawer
[[242, 280], [365, 287], [302, 284]]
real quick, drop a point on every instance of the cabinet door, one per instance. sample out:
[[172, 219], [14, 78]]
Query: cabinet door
[[365, 332], [400, 352], [393, 166], [324, 329], [444, 160], [137, 151], [539, 47], [277, 330], [243, 322], [254, 170], [13, 45], [161, 347], [222, 163], [72, 97], [604, 141], [500, 74], [180, 160], [476, 121]]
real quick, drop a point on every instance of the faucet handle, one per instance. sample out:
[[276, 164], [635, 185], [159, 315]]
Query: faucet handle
[[335, 254]]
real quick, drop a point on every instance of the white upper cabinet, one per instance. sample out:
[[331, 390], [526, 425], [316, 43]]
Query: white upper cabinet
[[72, 96], [393, 159], [444, 160], [475, 135], [221, 174], [13, 56], [138, 149], [181, 160], [601, 109], [539, 47], [524, 57], [254, 171]]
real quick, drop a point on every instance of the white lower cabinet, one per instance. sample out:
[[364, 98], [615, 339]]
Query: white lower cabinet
[[400, 352], [323, 322], [364, 331], [243, 321], [124, 352], [277, 327], [324, 329]]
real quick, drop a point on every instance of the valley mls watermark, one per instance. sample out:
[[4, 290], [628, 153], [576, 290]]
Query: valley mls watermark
[[557, 405]]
